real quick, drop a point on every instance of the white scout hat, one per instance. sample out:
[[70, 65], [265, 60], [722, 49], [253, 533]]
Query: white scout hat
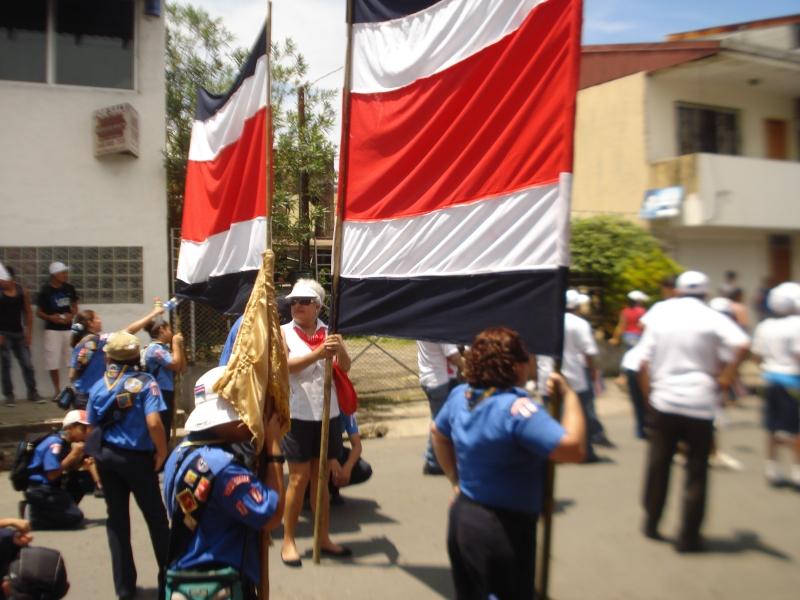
[[209, 408]]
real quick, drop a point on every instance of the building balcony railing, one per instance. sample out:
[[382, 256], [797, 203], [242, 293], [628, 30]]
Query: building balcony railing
[[732, 191]]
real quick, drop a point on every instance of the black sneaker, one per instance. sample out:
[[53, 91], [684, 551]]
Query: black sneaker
[[35, 397], [429, 469], [10, 401]]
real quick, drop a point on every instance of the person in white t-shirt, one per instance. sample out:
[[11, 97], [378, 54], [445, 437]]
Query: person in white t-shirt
[[438, 374], [690, 354], [776, 343], [577, 367]]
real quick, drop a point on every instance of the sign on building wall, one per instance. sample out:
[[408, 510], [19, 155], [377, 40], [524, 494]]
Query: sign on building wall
[[662, 203], [116, 130]]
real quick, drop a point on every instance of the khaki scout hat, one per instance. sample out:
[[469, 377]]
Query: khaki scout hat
[[122, 345]]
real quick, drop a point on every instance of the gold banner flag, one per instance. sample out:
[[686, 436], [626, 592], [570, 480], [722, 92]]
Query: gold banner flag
[[257, 374]]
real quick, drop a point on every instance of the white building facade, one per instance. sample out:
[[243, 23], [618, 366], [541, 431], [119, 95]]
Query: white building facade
[[87, 191]]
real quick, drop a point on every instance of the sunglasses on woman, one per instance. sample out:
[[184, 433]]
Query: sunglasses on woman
[[301, 301]]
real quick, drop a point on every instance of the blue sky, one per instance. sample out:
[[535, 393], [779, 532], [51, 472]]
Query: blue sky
[[621, 21]]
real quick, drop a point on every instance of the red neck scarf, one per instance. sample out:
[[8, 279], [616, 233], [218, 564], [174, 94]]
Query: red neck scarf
[[315, 341]]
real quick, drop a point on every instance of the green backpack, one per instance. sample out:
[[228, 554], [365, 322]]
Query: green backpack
[[223, 584]]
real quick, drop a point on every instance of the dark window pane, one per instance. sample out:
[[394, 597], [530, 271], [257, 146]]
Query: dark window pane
[[23, 40], [94, 43], [702, 129]]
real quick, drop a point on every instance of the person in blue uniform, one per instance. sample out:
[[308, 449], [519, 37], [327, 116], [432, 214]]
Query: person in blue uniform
[[217, 505], [162, 359], [88, 361], [51, 504], [493, 443], [349, 468], [129, 446]]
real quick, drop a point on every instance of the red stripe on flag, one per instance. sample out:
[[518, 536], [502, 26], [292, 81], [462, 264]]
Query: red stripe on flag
[[229, 189], [497, 122]]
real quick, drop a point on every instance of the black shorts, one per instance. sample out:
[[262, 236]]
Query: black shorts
[[781, 410], [303, 441]]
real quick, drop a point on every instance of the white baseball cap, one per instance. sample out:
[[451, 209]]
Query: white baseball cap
[[791, 288], [302, 290], [781, 300], [4, 275], [573, 299], [210, 409], [75, 416], [692, 283], [638, 296], [57, 267]]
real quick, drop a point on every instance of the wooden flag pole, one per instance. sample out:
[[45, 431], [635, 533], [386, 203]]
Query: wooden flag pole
[[264, 539], [322, 479], [548, 504]]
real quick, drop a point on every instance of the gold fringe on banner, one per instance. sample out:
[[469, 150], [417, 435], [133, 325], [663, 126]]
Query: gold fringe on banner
[[257, 373]]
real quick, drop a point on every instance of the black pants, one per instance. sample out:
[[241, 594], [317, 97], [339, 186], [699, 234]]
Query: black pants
[[123, 472], [666, 431], [166, 416], [15, 344], [492, 551], [637, 399], [52, 507], [362, 471]]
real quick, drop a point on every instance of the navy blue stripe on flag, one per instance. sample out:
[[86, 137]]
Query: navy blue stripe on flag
[[208, 104], [227, 294], [530, 302], [376, 11]]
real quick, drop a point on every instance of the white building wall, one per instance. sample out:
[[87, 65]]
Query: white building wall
[[664, 91], [56, 193]]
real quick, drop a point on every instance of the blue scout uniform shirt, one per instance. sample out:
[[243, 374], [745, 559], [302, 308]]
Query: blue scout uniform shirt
[[227, 349], [89, 357], [156, 359], [237, 507], [500, 456], [46, 457], [135, 395]]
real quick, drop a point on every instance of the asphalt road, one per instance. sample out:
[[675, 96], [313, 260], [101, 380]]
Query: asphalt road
[[396, 522]]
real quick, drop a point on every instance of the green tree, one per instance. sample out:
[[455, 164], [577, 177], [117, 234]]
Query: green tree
[[624, 256], [200, 53]]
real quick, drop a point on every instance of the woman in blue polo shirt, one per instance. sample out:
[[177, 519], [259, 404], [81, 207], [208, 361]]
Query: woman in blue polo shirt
[[493, 443]]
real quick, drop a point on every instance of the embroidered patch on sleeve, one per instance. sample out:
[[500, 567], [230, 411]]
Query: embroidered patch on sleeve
[[235, 482], [242, 508], [202, 489], [256, 495], [190, 522], [187, 502], [133, 385], [154, 389], [55, 449], [124, 400], [190, 478]]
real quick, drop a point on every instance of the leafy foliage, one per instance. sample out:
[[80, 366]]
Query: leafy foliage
[[200, 54], [624, 255]]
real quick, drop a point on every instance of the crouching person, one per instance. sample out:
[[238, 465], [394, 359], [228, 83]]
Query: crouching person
[[55, 486], [217, 505]]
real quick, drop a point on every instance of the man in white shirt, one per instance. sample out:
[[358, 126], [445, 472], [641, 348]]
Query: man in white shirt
[[438, 369], [577, 367], [776, 342], [690, 354]]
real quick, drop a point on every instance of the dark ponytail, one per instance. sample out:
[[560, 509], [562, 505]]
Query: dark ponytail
[[80, 326]]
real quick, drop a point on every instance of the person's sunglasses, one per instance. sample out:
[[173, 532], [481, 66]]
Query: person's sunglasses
[[301, 301]]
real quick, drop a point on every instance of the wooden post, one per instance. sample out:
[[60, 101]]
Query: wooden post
[[322, 480], [548, 504], [264, 538]]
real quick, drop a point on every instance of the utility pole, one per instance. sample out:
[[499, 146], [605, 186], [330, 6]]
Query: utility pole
[[305, 246]]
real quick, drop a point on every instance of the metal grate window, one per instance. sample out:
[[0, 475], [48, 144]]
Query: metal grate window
[[102, 275]]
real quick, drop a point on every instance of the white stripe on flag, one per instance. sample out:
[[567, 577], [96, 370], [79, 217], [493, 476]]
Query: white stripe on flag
[[394, 54], [238, 249], [225, 127], [520, 231]]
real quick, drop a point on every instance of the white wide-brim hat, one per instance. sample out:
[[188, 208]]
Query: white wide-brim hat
[[301, 290], [210, 409], [638, 296], [782, 301]]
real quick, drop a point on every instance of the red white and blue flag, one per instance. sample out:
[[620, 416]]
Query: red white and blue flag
[[225, 210], [457, 166]]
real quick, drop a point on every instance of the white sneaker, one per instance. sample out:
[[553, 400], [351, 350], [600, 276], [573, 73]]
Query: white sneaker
[[726, 461], [772, 472]]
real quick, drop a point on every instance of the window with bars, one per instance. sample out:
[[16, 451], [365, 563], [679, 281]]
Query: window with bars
[[707, 129], [102, 275]]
